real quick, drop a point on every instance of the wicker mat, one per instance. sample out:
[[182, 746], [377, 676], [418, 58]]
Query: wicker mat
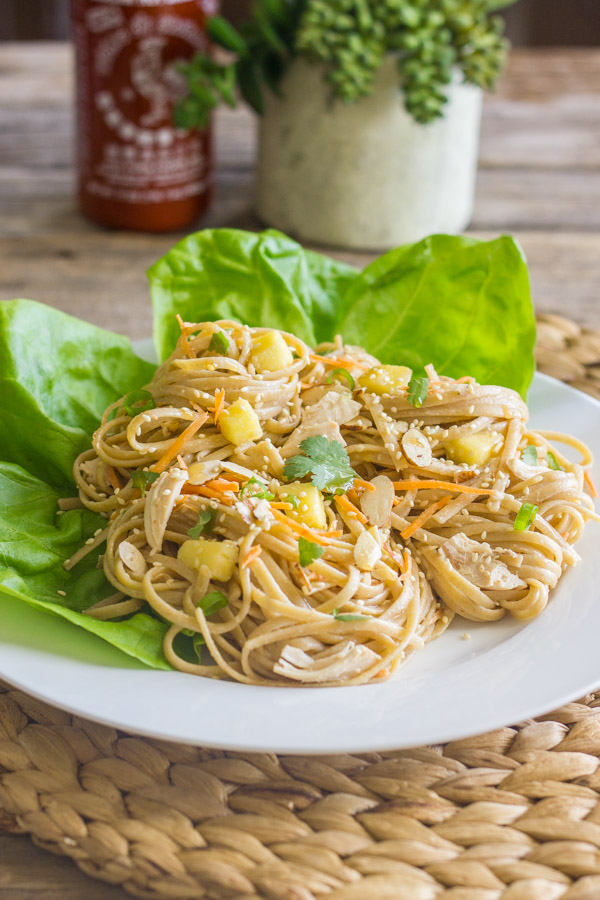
[[510, 815]]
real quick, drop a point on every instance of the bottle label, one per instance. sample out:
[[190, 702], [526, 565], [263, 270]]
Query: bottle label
[[128, 56]]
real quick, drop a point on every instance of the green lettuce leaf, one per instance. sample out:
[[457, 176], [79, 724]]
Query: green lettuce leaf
[[262, 279], [34, 543], [57, 376], [462, 304]]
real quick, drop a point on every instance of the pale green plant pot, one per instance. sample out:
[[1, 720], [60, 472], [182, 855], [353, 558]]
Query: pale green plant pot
[[365, 176]]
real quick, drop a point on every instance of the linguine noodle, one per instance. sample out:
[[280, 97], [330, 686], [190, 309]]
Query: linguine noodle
[[421, 532]]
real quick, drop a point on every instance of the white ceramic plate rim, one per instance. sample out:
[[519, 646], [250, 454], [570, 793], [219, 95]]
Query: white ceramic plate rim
[[452, 689]]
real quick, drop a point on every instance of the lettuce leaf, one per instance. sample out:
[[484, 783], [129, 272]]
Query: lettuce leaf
[[57, 376], [463, 304], [262, 279], [34, 543]]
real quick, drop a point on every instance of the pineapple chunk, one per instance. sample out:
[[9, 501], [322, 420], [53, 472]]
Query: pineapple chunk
[[474, 449], [239, 423], [310, 510], [220, 557], [385, 379], [270, 352]]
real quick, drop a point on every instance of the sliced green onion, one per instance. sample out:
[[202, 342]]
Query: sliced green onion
[[142, 479], [198, 643], [219, 342], [137, 402], [417, 390], [206, 518], [553, 462], [348, 617], [530, 455], [309, 552], [257, 488], [343, 373], [213, 602], [291, 498], [525, 517]]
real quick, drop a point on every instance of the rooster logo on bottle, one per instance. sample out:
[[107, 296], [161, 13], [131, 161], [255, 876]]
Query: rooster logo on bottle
[[160, 85]]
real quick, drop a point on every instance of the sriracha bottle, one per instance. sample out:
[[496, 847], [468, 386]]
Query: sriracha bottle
[[136, 169]]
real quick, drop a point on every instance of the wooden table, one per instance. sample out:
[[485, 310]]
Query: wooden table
[[539, 179]]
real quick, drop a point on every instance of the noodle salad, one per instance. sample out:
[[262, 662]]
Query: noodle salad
[[313, 517]]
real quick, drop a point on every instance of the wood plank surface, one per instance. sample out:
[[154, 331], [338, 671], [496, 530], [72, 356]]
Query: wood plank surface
[[539, 178]]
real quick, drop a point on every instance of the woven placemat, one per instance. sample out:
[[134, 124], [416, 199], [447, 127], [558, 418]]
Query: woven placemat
[[510, 815]]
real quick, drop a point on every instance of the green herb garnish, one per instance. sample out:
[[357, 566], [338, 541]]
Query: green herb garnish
[[525, 517], [342, 373], [348, 617], [553, 462], [141, 479], [219, 343], [530, 455], [213, 602], [326, 461], [309, 552], [204, 525], [417, 390], [258, 489], [137, 402]]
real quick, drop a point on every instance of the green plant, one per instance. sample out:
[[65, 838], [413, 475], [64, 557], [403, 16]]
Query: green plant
[[350, 38]]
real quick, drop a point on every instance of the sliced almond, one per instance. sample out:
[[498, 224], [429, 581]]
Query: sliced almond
[[417, 448], [133, 559], [367, 552], [377, 504], [201, 472]]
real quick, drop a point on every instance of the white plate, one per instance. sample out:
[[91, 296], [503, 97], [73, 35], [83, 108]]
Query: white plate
[[452, 688]]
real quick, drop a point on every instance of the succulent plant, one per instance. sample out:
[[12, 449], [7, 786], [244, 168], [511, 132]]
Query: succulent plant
[[350, 38]]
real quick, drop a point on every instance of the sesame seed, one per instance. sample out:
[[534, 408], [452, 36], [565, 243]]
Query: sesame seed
[[471, 410], [466, 636], [120, 501], [62, 593], [97, 532], [90, 541]]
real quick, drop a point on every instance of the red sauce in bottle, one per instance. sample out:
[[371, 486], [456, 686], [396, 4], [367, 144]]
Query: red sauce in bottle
[[135, 168]]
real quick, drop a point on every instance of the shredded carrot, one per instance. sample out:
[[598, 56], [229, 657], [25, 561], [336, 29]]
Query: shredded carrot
[[465, 379], [407, 566], [440, 486], [381, 675], [592, 487], [203, 491], [300, 529], [219, 404], [339, 363], [221, 485], [113, 478], [424, 517], [365, 485], [182, 462], [352, 496], [351, 509], [184, 339], [178, 444], [251, 556], [281, 505]]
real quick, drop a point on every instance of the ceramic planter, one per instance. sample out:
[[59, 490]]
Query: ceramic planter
[[365, 176]]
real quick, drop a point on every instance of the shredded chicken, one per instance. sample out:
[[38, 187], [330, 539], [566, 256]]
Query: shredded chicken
[[478, 564], [339, 408], [331, 430]]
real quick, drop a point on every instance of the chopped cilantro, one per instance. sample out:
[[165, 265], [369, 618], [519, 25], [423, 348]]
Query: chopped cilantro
[[530, 455], [417, 390], [326, 461], [219, 343], [204, 525], [213, 602], [348, 617], [142, 479], [309, 552]]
